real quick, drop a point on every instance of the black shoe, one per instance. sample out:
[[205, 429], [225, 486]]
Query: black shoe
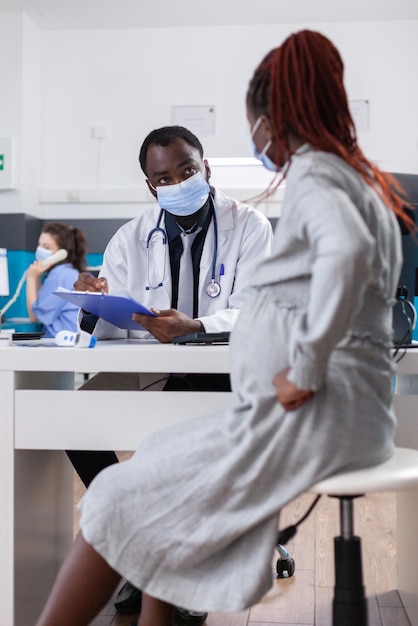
[[128, 599], [182, 617]]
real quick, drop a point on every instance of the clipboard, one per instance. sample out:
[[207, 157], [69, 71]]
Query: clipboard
[[114, 309]]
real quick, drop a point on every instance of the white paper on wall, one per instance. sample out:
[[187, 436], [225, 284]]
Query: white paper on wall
[[200, 120], [4, 273]]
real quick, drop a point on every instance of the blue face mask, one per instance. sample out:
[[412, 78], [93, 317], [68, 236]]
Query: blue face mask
[[184, 198], [262, 156], [42, 254]]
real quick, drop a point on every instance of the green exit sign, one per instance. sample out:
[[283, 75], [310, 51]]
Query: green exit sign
[[1, 161]]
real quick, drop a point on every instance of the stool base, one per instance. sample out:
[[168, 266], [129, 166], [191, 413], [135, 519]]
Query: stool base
[[350, 603]]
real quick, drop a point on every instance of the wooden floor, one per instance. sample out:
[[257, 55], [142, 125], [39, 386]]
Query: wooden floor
[[305, 598]]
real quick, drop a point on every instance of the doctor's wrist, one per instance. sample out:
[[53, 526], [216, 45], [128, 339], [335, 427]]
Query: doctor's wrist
[[202, 328]]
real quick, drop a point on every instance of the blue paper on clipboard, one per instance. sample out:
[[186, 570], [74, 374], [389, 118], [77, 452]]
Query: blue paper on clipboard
[[114, 309]]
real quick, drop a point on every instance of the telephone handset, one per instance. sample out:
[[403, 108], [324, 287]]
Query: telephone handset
[[57, 257]]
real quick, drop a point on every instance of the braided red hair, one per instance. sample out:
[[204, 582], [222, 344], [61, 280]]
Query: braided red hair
[[299, 87]]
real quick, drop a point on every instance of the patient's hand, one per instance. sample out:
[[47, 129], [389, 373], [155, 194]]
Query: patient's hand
[[168, 324], [290, 396]]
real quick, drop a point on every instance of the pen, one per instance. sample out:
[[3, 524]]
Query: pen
[[98, 279], [221, 271]]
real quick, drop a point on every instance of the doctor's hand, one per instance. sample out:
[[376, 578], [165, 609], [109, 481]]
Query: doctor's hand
[[168, 324], [290, 396], [87, 282]]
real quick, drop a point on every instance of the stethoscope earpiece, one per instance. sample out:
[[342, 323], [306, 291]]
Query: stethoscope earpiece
[[147, 288]]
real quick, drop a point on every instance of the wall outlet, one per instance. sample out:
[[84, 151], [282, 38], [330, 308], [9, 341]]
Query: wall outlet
[[99, 132], [73, 195]]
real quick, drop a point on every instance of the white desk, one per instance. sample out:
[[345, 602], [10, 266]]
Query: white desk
[[41, 415], [406, 406]]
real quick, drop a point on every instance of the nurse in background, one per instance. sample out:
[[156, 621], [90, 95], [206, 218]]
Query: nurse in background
[[43, 306]]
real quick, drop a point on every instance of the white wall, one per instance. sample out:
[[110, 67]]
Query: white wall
[[128, 80], [11, 35], [20, 109], [31, 165]]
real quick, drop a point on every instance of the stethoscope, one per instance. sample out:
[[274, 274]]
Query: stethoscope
[[213, 289]]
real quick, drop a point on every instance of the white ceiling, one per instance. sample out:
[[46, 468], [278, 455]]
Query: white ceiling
[[91, 14]]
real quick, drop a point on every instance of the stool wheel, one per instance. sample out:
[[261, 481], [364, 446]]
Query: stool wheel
[[285, 568]]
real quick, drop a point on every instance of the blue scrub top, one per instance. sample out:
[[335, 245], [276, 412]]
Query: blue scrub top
[[55, 313]]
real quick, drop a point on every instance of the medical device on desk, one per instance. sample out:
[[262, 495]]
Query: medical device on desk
[[213, 289], [80, 339], [57, 257]]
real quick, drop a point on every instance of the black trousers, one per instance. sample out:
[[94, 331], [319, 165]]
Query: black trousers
[[88, 463]]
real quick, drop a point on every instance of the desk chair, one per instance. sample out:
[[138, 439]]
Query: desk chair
[[399, 472]]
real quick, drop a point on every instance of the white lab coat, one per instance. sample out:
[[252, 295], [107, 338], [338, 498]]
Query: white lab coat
[[244, 239]]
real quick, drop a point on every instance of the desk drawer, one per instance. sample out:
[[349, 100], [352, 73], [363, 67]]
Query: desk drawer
[[406, 409], [104, 420]]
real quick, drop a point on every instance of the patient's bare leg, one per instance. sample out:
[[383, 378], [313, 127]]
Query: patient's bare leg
[[83, 586], [154, 611]]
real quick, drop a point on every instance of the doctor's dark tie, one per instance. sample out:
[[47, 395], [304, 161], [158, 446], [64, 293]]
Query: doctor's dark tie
[[185, 293]]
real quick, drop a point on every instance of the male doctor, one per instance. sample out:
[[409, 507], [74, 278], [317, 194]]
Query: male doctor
[[189, 260]]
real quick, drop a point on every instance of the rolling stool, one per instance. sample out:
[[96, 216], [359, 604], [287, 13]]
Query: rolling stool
[[399, 472]]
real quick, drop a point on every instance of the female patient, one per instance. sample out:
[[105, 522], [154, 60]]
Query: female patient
[[192, 517]]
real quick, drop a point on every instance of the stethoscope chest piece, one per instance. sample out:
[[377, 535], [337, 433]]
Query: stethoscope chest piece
[[213, 289]]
